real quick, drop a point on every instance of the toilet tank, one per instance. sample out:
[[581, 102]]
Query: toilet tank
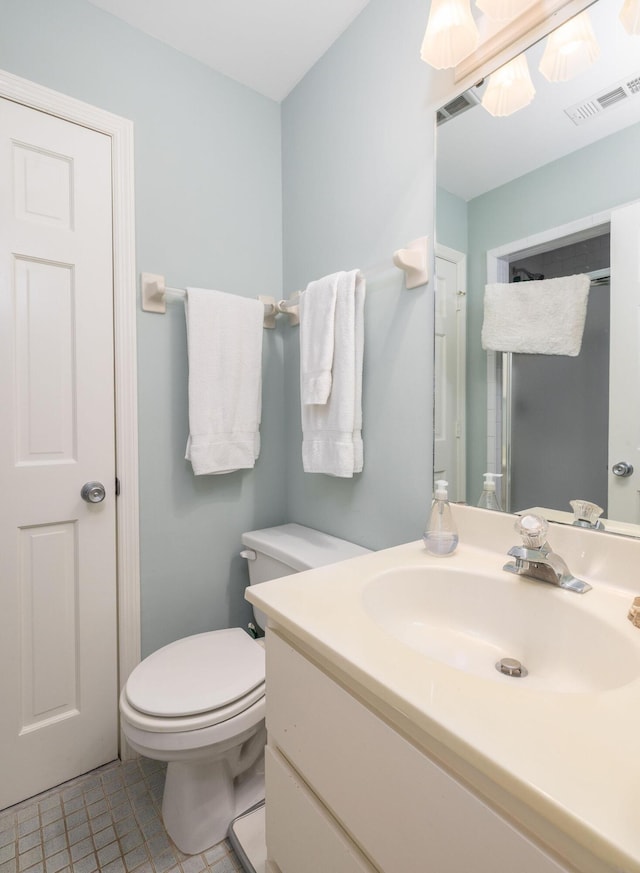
[[290, 548]]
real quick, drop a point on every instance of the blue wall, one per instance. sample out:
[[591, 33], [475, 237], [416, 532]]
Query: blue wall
[[357, 184], [208, 213], [350, 153], [451, 221]]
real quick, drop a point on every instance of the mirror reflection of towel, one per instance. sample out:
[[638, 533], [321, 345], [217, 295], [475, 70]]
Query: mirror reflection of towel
[[543, 317]]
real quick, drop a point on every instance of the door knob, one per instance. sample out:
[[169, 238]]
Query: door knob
[[93, 492], [622, 469]]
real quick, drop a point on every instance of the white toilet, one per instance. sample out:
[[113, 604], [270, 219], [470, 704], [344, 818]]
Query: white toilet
[[198, 703]]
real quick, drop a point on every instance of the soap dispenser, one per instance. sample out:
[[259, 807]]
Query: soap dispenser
[[441, 535], [489, 498]]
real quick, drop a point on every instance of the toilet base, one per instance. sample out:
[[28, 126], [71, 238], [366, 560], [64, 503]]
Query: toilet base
[[202, 798]]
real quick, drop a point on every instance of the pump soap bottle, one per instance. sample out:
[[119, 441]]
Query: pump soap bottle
[[441, 535], [489, 498]]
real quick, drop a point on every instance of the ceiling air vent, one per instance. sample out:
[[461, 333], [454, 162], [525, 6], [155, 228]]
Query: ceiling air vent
[[618, 93], [456, 107]]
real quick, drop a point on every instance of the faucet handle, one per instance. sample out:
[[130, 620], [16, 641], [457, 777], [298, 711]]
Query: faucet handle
[[586, 514], [533, 530]]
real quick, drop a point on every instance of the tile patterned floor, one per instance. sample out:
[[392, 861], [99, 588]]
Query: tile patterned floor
[[108, 820]]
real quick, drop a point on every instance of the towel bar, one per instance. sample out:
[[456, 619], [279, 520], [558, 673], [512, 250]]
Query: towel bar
[[154, 295], [413, 260]]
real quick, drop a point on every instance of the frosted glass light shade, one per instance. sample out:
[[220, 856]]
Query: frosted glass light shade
[[510, 88], [570, 49], [630, 17], [502, 10], [451, 34]]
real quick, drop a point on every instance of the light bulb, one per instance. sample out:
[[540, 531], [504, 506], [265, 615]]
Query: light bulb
[[510, 88], [451, 34], [630, 17], [570, 49]]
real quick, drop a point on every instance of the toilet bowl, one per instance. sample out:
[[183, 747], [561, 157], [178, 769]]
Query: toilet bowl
[[198, 703]]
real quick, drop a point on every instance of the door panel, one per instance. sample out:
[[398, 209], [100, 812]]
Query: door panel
[[45, 352], [58, 628], [48, 584], [449, 372]]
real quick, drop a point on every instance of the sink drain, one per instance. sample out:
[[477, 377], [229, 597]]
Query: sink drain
[[511, 667]]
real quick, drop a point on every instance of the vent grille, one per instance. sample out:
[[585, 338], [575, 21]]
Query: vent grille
[[618, 93], [456, 107], [612, 97]]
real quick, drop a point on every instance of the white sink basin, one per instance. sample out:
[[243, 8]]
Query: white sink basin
[[472, 620]]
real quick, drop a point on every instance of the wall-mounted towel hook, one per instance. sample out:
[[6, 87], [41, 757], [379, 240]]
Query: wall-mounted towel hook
[[153, 292], [414, 260]]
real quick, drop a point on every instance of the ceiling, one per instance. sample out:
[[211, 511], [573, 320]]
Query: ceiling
[[267, 45], [477, 152]]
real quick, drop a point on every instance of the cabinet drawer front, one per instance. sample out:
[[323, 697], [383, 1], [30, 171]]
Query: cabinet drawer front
[[301, 836], [407, 812]]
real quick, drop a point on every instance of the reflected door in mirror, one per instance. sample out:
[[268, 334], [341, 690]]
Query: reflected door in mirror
[[449, 444]]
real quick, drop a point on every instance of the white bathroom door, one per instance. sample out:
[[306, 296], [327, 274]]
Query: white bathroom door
[[449, 444], [58, 632], [624, 364]]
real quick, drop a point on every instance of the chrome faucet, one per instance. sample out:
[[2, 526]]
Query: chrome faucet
[[535, 559]]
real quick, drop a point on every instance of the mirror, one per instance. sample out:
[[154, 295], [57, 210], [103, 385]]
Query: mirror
[[544, 193]]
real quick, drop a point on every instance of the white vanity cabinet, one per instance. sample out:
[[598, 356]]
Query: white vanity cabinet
[[346, 793]]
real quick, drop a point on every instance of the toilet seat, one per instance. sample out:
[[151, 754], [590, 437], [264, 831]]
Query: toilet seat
[[195, 682], [157, 724]]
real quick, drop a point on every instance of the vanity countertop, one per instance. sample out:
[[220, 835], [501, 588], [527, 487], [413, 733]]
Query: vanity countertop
[[564, 765]]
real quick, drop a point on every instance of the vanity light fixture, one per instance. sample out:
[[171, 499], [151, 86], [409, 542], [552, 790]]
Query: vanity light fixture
[[630, 17], [510, 88], [570, 49], [451, 34]]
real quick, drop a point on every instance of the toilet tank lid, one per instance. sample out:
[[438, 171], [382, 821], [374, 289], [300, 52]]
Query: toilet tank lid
[[300, 547]]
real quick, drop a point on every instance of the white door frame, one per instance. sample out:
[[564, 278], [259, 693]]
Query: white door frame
[[120, 130]]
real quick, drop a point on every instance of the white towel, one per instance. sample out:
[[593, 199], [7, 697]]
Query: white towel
[[543, 317], [224, 335], [317, 334], [332, 432]]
